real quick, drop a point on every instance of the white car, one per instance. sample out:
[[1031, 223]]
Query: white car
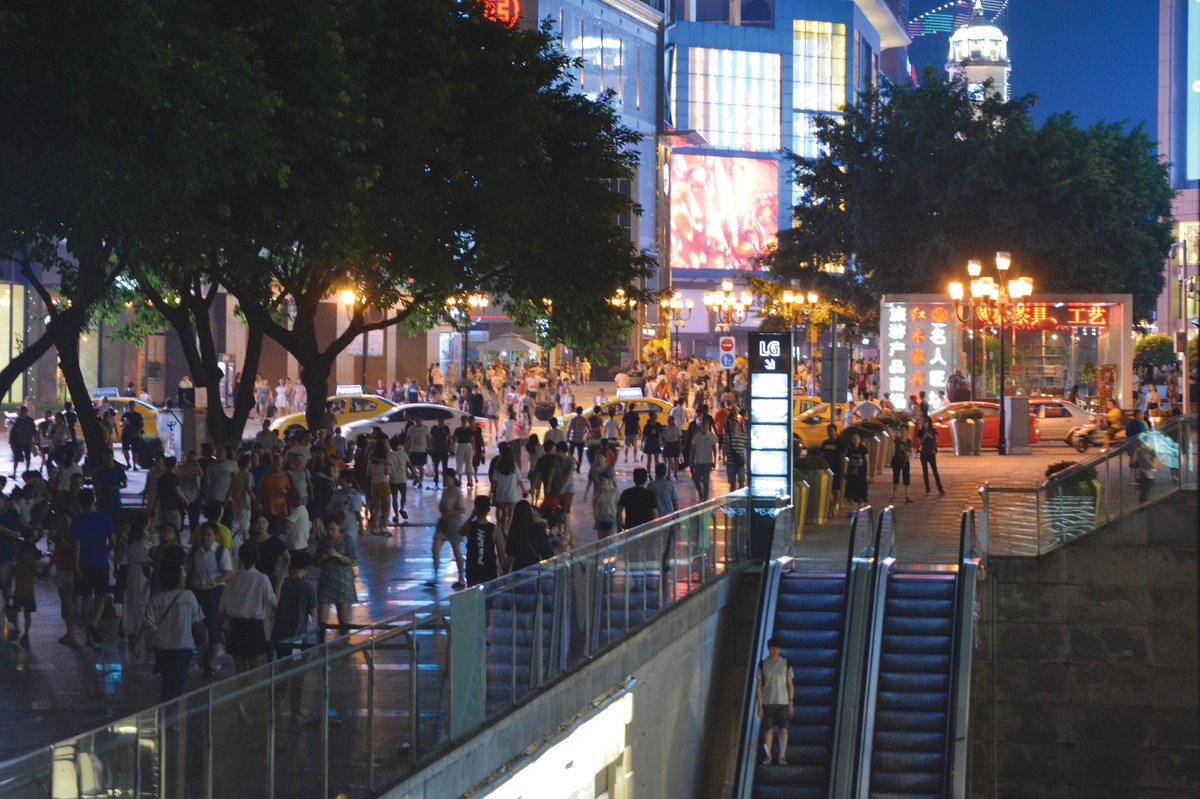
[[394, 420], [1056, 417]]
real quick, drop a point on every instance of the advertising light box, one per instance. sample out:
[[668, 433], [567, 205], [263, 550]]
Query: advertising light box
[[917, 343], [770, 473], [724, 210]]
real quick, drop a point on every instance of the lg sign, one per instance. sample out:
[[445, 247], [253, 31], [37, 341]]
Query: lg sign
[[505, 11]]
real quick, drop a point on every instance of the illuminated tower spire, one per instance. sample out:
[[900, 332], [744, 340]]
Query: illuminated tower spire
[[978, 52]]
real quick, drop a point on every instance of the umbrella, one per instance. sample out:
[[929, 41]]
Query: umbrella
[[510, 343]]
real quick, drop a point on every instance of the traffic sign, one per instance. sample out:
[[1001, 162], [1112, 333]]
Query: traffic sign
[[727, 360], [727, 344]]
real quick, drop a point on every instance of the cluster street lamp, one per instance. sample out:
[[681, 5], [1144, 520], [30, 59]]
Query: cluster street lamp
[[794, 307], [349, 299], [676, 310], [725, 307], [987, 292], [466, 309]]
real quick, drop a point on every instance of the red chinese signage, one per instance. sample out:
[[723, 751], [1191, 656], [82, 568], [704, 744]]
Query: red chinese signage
[[1041, 315], [505, 11]]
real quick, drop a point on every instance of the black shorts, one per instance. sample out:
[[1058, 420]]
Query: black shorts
[[417, 458], [93, 582], [210, 604], [21, 452], [775, 716], [26, 603], [246, 638]]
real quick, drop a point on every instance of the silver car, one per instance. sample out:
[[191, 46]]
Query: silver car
[[394, 420], [1056, 417]]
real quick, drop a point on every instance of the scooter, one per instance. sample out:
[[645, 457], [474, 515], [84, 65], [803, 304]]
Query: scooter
[[1091, 435]]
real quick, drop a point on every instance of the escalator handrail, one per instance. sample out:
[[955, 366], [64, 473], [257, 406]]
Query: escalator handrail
[[966, 533], [764, 625]]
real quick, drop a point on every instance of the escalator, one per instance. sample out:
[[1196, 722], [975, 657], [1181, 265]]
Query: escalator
[[809, 622], [913, 701], [519, 637]]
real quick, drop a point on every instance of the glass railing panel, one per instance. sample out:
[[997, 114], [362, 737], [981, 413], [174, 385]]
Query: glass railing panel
[[431, 637], [351, 716], [300, 709], [242, 734], [29, 776], [391, 677]]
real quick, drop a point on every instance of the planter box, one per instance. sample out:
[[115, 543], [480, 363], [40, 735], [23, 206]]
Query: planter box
[[875, 462], [820, 484], [800, 503], [967, 435]]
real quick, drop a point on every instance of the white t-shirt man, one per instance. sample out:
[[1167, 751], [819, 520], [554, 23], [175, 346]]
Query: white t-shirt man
[[299, 527], [170, 617]]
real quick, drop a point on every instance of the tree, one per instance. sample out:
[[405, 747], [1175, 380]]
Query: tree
[[394, 187], [1154, 350], [114, 138], [916, 180]]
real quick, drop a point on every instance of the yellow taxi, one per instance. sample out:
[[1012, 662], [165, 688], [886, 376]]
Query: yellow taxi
[[119, 405], [809, 425], [642, 406], [346, 408]]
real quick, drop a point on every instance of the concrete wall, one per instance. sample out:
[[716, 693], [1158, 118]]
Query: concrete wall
[[1085, 679], [685, 707]]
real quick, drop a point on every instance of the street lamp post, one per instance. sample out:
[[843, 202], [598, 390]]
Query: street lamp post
[[349, 300], [678, 311], [726, 309], [468, 308], [998, 294], [799, 305]]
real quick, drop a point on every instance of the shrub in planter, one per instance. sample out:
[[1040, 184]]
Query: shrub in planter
[[873, 426], [969, 414]]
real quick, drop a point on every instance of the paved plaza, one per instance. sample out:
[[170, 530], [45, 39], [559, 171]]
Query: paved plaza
[[50, 691]]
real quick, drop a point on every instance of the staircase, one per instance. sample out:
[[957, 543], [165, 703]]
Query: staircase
[[908, 757], [809, 619]]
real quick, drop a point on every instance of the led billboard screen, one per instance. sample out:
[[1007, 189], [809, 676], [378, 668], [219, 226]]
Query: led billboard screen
[[724, 210], [1192, 138]]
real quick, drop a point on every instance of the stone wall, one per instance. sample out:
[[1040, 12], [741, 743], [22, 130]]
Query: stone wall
[[1085, 680]]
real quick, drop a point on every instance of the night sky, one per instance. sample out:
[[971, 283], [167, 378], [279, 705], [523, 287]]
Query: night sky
[[1097, 59]]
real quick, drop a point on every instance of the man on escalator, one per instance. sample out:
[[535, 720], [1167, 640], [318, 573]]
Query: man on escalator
[[774, 693]]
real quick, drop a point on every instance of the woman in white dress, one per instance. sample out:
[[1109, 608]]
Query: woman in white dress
[[281, 401]]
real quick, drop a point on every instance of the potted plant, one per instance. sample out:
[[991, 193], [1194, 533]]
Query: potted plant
[[966, 431], [814, 471], [958, 388], [1072, 500]]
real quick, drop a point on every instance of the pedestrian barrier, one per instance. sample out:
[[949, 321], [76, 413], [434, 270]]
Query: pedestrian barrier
[[349, 717]]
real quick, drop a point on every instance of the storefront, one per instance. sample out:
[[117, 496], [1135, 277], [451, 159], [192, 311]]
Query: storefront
[[1051, 343]]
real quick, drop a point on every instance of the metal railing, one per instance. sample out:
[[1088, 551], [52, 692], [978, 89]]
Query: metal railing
[[1031, 521], [352, 716]]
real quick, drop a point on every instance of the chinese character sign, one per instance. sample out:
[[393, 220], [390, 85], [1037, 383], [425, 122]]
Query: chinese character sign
[[917, 345]]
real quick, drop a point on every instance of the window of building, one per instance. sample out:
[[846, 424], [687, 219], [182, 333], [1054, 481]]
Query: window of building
[[734, 98], [819, 65]]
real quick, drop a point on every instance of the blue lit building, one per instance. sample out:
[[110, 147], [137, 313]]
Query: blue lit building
[[743, 82]]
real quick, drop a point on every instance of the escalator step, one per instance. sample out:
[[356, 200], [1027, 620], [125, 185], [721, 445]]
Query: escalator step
[[908, 701], [910, 741], [908, 761], [917, 664], [897, 721], [790, 775], [812, 656], [906, 783], [803, 732], [825, 639], [918, 625], [920, 607], [917, 644], [809, 620], [904, 586], [799, 583], [811, 675], [908, 681], [805, 755], [816, 602], [814, 695]]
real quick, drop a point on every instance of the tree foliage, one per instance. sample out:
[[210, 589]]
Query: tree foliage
[[1154, 349], [917, 180]]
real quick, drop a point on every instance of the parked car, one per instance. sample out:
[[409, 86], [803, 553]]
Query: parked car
[[991, 423], [346, 408], [393, 421], [809, 425], [1057, 417]]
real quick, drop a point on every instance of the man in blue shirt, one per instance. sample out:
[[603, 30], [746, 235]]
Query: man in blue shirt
[[664, 491], [93, 532]]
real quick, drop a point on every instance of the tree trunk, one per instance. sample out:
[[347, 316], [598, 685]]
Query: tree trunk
[[68, 362], [314, 374], [229, 429]]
